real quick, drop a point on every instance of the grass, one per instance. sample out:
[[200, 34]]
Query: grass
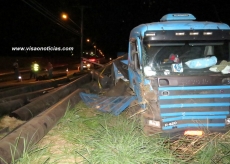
[[84, 135], [104, 138], [211, 148], [216, 149]]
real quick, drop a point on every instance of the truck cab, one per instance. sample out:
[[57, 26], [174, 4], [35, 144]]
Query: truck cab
[[179, 70]]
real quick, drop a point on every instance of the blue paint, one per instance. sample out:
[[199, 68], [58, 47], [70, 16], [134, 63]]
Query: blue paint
[[125, 61], [193, 118], [116, 74], [194, 88], [176, 17], [194, 96], [209, 113], [114, 105], [194, 105], [191, 125]]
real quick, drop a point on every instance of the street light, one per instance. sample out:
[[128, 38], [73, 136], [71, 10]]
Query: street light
[[65, 16]]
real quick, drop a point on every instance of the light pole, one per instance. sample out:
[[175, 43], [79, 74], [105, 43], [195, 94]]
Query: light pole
[[65, 16], [82, 8], [95, 49]]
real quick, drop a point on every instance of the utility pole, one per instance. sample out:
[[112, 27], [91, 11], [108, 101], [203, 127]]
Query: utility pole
[[82, 33], [81, 49]]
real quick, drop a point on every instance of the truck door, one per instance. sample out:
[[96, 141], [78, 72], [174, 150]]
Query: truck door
[[135, 67]]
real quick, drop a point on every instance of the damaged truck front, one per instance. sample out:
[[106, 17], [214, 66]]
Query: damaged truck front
[[179, 70]]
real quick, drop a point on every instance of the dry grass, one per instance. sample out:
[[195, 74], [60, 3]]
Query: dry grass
[[8, 124], [60, 150], [209, 148]]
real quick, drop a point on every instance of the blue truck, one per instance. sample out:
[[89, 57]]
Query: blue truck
[[179, 70]]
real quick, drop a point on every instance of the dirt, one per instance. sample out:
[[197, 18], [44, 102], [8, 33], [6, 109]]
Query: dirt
[[56, 146]]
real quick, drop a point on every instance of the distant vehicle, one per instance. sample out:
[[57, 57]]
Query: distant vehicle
[[88, 62], [92, 59], [86, 65]]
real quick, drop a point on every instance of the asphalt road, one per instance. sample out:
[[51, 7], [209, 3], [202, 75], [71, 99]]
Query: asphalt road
[[7, 78]]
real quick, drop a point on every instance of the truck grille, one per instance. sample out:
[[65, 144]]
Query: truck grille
[[194, 106]]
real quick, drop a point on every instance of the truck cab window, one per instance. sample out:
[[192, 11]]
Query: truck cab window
[[161, 56]]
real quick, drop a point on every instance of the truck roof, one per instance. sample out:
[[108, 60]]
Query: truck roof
[[186, 25], [178, 22]]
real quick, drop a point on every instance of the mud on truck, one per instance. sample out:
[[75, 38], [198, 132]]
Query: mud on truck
[[179, 72]]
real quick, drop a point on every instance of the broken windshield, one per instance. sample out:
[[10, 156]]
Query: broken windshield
[[185, 58]]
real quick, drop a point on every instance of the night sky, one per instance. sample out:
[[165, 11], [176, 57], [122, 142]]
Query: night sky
[[107, 23]]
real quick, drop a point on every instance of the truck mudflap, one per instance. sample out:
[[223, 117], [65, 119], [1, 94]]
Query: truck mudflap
[[113, 104], [194, 107]]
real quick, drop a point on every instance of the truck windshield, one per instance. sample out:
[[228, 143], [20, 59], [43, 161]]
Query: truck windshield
[[185, 58]]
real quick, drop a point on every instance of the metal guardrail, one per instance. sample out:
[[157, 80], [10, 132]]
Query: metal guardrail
[[45, 112]]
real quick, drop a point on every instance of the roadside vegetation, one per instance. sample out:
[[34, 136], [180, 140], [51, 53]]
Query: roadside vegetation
[[84, 135]]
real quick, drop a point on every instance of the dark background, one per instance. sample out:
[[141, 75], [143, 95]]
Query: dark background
[[107, 23]]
